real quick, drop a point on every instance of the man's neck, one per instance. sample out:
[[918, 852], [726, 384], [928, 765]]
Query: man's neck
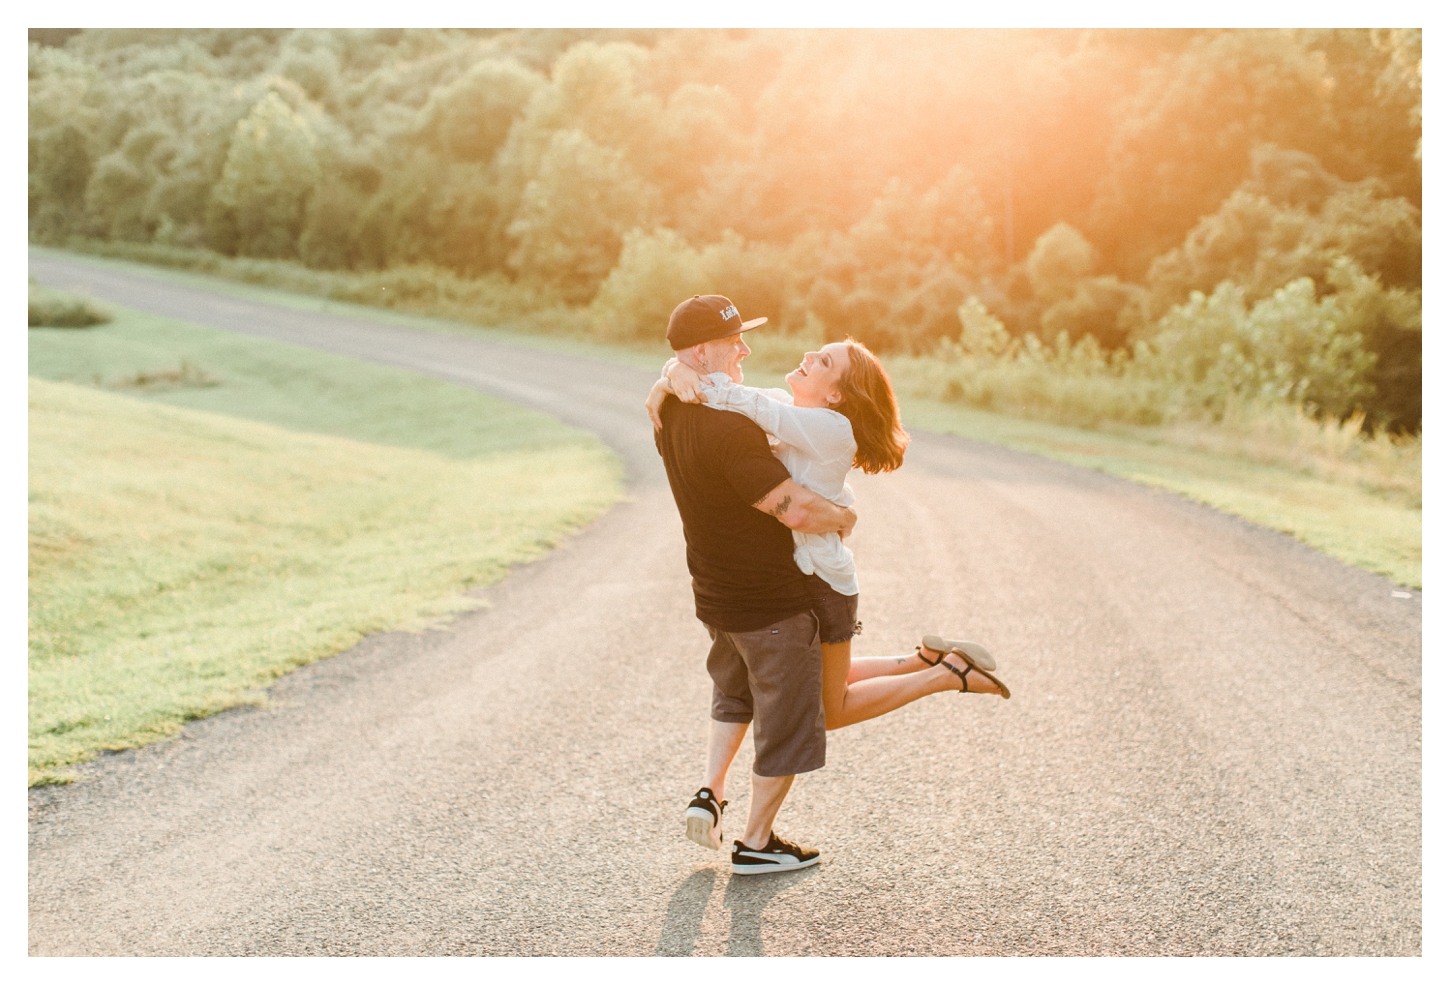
[[688, 358]]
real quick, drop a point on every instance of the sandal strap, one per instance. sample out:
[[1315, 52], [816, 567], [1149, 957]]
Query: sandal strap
[[960, 673], [929, 663]]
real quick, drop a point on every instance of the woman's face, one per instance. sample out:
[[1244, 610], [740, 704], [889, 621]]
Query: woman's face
[[816, 381]]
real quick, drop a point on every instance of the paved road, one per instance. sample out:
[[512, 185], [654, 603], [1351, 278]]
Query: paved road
[[1213, 745]]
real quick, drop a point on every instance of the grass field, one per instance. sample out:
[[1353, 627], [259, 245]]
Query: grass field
[[1342, 497], [220, 510]]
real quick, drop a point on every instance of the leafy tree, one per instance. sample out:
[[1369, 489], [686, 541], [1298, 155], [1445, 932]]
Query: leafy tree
[[330, 228], [762, 278], [1389, 322], [594, 92], [570, 225], [116, 198], [469, 119], [949, 223], [1291, 219], [1060, 258], [1399, 81], [868, 181], [656, 271], [1182, 143], [1073, 303], [1375, 99], [1101, 307], [270, 171], [431, 210], [60, 169], [308, 59]]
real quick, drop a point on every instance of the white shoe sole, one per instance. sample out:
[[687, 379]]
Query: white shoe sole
[[747, 869], [700, 827]]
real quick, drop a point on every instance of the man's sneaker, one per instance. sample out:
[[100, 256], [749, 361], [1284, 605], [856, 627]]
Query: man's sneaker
[[778, 855], [702, 818]]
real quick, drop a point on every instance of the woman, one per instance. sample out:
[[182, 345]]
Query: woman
[[841, 413]]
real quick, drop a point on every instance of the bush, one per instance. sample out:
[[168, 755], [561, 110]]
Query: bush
[[1096, 307], [1059, 259], [1287, 348], [655, 272], [1210, 355], [57, 309], [658, 270]]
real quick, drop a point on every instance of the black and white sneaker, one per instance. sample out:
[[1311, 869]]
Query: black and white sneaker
[[778, 855], [702, 818]]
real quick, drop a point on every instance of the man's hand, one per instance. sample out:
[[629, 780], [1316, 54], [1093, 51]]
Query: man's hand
[[800, 509], [684, 380], [656, 399]]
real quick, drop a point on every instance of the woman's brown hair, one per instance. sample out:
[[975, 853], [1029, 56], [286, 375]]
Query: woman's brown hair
[[869, 404]]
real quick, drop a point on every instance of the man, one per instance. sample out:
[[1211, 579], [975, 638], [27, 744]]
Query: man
[[739, 505]]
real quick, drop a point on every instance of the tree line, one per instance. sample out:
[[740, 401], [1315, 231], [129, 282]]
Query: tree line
[[1137, 191]]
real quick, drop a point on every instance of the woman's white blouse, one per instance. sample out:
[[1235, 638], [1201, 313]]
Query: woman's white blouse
[[817, 447]]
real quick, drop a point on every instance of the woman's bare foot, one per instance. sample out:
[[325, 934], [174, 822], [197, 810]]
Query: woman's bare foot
[[928, 655], [976, 682]]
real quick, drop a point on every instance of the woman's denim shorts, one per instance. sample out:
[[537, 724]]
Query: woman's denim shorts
[[835, 612]]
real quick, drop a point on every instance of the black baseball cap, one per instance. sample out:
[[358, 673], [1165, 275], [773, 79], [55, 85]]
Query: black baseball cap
[[705, 318]]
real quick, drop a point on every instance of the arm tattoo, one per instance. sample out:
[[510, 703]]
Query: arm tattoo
[[780, 508]]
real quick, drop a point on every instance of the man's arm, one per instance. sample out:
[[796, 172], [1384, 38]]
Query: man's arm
[[800, 509]]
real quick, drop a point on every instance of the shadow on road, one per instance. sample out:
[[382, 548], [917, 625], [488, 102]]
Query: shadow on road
[[746, 897], [685, 914]]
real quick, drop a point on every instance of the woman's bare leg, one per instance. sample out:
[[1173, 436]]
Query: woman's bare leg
[[865, 668], [848, 702]]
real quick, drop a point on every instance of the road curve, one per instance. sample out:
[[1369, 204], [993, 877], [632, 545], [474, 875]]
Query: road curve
[[1213, 744]]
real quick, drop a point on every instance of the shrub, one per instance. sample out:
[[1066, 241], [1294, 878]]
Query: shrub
[[655, 272], [1288, 348], [1061, 257], [57, 309], [1096, 307], [1210, 355]]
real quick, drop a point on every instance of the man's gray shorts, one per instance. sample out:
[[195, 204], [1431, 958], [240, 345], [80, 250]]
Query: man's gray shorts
[[773, 677]]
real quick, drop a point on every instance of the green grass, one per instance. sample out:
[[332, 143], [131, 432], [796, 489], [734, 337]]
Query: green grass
[[290, 387], [1374, 530], [193, 537]]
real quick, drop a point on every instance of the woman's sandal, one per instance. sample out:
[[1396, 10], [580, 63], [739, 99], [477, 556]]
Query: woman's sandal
[[975, 651], [971, 666]]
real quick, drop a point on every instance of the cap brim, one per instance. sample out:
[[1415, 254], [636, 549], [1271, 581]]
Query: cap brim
[[753, 323]]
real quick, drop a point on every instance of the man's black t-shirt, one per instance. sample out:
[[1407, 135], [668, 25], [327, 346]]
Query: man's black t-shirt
[[742, 560]]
